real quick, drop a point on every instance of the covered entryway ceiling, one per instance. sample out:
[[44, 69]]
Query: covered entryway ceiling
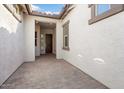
[[47, 25]]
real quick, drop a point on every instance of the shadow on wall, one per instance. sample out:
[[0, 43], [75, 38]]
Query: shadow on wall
[[11, 55], [9, 43]]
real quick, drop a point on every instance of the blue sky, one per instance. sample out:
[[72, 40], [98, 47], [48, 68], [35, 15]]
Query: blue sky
[[49, 8]]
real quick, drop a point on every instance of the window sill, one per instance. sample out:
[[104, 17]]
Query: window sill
[[105, 15], [67, 49]]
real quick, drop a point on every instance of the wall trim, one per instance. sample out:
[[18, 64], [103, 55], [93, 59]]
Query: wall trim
[[5, 5], [115, 9]]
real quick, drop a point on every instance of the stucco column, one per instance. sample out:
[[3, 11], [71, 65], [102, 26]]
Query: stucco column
[[29, 30], [59, 40]]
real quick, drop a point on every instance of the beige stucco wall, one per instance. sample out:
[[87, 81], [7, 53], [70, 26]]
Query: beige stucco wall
[[97, 49], [11, 44]]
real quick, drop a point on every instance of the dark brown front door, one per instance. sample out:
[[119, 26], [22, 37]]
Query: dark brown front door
[[48, 43]]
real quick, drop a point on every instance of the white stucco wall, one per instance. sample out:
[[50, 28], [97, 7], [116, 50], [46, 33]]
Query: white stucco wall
[[11, 44], [97, 49]]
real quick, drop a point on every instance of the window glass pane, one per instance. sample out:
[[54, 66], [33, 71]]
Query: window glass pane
[[101, 8], [35, 34], [35, 42], [66, 41]]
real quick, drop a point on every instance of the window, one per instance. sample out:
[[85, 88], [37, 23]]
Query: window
[[102, 11], [65, 41], [101, 8], [66, 36], [35, 38]]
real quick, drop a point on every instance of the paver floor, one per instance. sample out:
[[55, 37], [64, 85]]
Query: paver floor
[[49, 73]]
